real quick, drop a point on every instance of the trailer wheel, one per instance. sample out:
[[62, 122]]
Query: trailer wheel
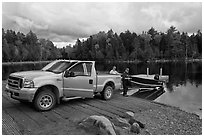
[[107, 93], [45, 100]]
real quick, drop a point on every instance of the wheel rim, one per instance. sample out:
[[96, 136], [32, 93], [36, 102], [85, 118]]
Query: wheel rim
[[108, 93], [46, 101]]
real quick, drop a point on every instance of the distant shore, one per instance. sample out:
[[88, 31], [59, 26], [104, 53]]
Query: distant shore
[[109, 61], [188, 60], [24, 62]]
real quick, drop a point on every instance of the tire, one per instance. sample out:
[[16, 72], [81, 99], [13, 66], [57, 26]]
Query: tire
[[45, 100], [107, 93]]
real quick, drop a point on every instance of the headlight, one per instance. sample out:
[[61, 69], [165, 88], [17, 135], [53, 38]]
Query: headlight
[[28, 83]]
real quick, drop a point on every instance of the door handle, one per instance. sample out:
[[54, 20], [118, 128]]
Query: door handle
[[90, 81], [59, 79]]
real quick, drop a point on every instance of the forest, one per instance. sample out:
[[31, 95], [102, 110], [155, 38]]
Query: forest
[[150, 45]]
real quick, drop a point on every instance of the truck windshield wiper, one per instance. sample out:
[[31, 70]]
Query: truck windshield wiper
[[50, 70]]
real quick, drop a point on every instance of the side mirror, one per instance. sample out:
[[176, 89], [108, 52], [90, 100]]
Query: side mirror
[[69, 74]]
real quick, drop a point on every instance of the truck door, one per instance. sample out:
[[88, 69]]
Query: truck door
[[79, 80]]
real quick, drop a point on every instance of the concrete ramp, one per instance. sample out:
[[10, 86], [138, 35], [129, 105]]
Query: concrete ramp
[[9, 127]]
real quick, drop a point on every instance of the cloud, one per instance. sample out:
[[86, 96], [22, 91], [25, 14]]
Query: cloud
[[180, 15], [65, 22]]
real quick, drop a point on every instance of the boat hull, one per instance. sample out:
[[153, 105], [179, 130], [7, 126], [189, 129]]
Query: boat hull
[[145, 81]]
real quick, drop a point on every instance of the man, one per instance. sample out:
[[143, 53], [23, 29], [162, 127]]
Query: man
[[113, 71], [125, 78]]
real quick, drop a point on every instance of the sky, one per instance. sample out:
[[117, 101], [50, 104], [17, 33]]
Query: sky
[[64, 22]]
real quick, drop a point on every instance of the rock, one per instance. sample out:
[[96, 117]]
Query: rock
[[121, 122], [131, 121], [147, 132], [129, 115], [121, 131], [135, 128], [100, 123], [141, 124]]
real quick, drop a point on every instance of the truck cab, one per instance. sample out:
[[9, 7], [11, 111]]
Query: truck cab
[[80, 80]]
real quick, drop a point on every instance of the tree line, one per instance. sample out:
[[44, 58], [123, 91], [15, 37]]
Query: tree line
[[150, 45], [21, 47]]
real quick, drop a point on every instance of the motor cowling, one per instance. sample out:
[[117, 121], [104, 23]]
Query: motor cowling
[[156, 77]]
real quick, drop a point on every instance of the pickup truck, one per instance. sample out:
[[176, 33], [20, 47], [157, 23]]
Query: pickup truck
[[61, 79]]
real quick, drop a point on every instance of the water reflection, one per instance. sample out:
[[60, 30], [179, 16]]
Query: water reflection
[[181, 73], [187, 97]]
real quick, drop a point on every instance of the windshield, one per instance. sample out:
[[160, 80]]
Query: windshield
[[58, 66]]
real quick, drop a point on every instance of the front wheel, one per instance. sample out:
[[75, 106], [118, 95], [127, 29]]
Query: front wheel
[[107, 93], [45, 100]]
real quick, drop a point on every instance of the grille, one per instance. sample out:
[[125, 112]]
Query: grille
[[15, 82]]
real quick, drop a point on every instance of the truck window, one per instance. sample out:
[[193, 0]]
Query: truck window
[[89, 66], [78, 70], [58, 66]]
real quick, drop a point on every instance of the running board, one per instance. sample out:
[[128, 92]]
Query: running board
[[70, 98]]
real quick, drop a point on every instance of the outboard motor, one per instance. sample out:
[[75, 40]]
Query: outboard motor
[[156, 77]]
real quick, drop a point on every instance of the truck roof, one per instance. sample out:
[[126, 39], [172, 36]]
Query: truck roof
[[74, 60]]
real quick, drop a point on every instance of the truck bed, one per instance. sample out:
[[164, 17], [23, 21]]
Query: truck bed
[[103, 77]]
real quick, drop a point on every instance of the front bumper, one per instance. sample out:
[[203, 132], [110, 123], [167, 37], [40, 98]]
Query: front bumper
[[26, 94]]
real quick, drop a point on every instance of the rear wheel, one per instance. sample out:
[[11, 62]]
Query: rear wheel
[[45, 100], [107, 93]]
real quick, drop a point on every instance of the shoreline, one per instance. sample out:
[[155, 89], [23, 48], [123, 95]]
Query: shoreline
[[174, 107], [24, 62], [109, 61]]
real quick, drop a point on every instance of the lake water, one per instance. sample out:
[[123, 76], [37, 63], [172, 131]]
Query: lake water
[[184, 89]]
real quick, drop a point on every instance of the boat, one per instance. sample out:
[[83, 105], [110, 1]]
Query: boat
[[148, 81]]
